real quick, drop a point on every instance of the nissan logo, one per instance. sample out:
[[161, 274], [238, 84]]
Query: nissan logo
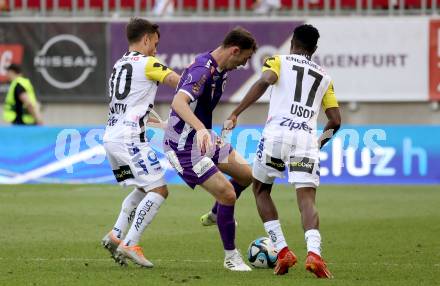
[[85, 61]]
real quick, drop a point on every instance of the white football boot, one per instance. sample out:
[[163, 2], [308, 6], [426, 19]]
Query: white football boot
[[234, 262]]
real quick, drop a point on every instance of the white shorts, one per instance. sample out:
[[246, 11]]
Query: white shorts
[[135, 164], [301, 159]]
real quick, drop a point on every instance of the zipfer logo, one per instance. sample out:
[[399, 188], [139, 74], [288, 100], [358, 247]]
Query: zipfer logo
[[53, 55]]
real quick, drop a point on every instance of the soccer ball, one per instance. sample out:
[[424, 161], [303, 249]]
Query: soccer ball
[[261, 253]]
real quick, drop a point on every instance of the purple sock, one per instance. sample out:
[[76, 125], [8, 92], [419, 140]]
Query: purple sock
[[226, 226], [237, 188], [214, 208]]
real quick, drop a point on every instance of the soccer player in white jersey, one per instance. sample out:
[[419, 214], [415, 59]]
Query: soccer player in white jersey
[[299, 87], [132, 87]]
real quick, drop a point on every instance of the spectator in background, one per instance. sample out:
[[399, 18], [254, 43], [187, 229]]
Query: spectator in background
[[266, 7], [163, 8], [21, 106]]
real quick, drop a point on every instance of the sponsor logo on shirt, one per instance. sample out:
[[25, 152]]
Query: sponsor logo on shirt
[[198, 85], [130, 123], [188, 79], [291, 124]]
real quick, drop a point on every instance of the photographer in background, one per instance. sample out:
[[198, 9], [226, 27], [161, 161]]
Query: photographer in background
[[21, 106]]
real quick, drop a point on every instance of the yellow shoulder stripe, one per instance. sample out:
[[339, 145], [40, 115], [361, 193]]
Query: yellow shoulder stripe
[[156, 71], [329, 100], [272, 64]]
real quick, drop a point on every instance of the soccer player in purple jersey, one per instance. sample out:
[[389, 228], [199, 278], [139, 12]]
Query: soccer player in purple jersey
[[199, 156]]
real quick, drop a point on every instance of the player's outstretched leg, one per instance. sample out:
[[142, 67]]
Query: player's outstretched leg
[[223, 192], [113, 238], [269, 216], [236, 167], [310, 221], [145, 213]]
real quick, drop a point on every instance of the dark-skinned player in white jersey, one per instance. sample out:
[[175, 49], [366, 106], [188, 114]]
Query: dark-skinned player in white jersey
[[299, 88]]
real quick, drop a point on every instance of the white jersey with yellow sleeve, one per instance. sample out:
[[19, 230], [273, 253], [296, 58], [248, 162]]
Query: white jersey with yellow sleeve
[[132, 89], [289, 138], [297, 96]]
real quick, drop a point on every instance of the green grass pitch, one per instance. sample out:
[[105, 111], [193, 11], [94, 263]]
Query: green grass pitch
[[373, 235]]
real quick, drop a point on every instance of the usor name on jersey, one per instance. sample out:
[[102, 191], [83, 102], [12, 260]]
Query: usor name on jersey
[[296, 98]]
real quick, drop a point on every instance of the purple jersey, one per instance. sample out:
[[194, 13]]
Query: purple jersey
[[204, 84]]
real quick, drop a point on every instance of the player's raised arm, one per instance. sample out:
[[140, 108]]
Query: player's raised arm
[[270, 75], [331, 107]]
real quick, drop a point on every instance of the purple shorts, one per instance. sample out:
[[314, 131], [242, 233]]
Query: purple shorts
[[193, 167]]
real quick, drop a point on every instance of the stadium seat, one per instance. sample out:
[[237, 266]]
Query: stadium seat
[[33, 4], [127, 4], [190, 4], [64, 4], [312, 4], [416, 4]]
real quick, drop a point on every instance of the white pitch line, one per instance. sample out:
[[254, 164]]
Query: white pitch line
[[74, 259]]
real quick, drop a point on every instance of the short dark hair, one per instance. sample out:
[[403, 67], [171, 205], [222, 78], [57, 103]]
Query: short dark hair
[[241, 38], [306, 36], [14, 67], [138, 27]]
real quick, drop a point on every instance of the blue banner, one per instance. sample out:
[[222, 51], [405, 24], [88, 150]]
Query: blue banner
[[357, 155]]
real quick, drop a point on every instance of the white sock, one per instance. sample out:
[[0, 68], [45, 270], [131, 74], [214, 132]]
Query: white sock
[[313, 240], [229, 253], [145, 213], [127, 213], [275, 233]]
